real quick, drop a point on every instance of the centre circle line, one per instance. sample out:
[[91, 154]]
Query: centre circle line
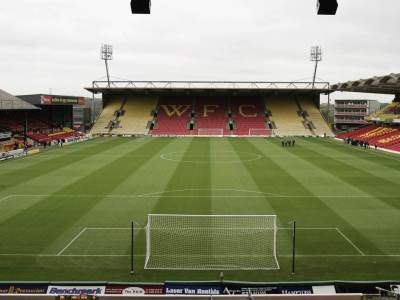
[[256, 156]]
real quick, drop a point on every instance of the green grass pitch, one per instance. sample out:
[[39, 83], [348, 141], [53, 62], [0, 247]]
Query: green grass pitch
[[65, 213]]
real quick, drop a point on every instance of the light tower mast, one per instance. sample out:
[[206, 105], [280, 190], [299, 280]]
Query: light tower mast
[[316, 55], [106, 54]]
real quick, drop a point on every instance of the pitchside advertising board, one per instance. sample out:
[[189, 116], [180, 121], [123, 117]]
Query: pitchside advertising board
[[61, 100], [33, 289], [112, 289], [199, 288], [5, 135], [172, 288], [134, 290], [75, 290]]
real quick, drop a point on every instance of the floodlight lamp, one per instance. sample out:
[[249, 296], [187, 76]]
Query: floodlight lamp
[[106, 52], [316, 53]]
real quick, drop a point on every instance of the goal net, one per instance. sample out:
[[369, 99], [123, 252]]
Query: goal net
[[210, 131], [211, 242], [260, 132]]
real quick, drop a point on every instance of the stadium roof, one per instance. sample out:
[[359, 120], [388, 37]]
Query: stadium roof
[[10, 102], [206, 86], [389, 84]]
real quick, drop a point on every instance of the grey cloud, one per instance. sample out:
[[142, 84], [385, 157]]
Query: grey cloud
[[55, 44]]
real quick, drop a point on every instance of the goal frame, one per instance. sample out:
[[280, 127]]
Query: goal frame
[[220, 131], [260, 129], [148, 244]]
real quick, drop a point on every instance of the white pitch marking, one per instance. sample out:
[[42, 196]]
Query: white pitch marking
[[379, 154], [308, 228], [73, 240], [5, 198], [114, 228], [142, 255], [350, 242], [256, 156], [159, 195], [279, 228]]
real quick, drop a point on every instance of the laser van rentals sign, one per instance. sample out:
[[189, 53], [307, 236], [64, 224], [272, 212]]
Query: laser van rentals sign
[[75, 290], [192, 289]]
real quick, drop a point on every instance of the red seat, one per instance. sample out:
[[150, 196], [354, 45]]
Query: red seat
[[173, 116]]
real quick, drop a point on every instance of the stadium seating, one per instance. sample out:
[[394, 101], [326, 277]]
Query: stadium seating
[[107, 115], [284, 114], [383, 137], [173, 115], [15, 121], [11, 144], [212, 116], [354, 133], [315, 116], [392, 111], [63, 134], [249, 116], [238, 115], [137, 114]]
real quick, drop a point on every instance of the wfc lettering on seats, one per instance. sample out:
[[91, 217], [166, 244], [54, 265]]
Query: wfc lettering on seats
[[245, 110]]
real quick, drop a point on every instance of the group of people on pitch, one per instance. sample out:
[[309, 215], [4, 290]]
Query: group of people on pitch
[[288, 142]]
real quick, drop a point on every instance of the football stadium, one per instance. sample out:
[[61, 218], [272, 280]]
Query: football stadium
[[247, 189]]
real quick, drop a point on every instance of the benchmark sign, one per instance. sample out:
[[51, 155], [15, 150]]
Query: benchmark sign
[[61, 100]]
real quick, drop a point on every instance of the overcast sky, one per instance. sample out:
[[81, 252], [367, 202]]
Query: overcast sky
[[54, 44]]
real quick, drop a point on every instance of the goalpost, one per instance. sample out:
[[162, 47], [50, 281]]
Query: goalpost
[[260, 132], [210, 131], [211, 242]]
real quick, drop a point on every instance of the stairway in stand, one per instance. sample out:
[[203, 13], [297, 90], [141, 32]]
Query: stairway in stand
[[137, 114], [284, 114], [107, 115], [314, 115]]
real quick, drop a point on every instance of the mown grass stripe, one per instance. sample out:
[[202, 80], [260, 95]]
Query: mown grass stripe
[[314, 207], [366, 160], [62, 213], [191, 178], [352, 174], [44, 167]]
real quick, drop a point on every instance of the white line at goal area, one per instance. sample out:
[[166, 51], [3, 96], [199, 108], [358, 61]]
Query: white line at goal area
[[210, 132], [115, 242], [260, 132]]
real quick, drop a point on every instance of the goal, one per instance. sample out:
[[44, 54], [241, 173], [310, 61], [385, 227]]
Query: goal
[[260, 132], [210, 131], [211, 242]]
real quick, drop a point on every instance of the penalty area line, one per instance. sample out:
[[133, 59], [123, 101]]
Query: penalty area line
[[115, 228], [72, 241], [350, 242], [5, 198]]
